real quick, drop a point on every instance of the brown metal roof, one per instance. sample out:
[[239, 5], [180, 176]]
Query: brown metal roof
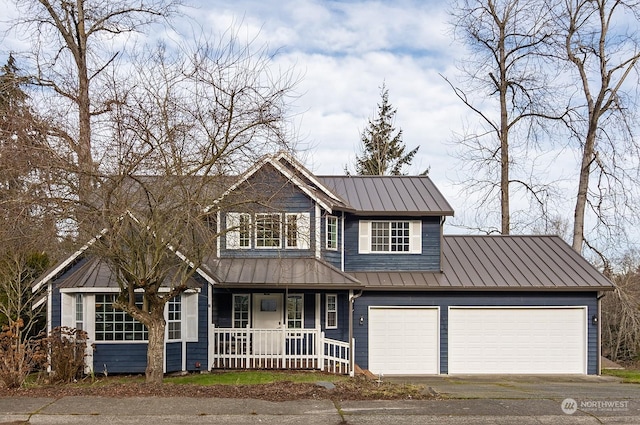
[[393, 195], [95, 273], [279, 272], [498, 263]]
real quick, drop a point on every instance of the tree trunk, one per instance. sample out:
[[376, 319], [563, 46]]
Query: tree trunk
[[155, 350], [583, 186]]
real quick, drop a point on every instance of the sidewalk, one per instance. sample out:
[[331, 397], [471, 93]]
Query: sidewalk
[[463, 400]]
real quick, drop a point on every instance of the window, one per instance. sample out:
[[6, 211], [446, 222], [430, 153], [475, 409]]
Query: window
[[295, 311], [79, 312], [332, 311], [332, 232], [116, 325], [292, 230], [268, 230], [174, 318], [390, 237], [245, 231], [239, 233], [297, 229], [240, 311]]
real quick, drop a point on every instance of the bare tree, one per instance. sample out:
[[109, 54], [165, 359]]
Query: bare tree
[[73, 43], [600, 42], [504, 38], [183, 124], [621, 313]]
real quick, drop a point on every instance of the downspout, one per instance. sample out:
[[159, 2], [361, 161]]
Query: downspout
[[599, 297], [442, 219], [352, 358]]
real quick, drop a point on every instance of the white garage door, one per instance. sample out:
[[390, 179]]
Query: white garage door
[[404, 341], [518, 340]]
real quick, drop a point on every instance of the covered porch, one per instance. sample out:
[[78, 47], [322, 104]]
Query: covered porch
[[285, 313]]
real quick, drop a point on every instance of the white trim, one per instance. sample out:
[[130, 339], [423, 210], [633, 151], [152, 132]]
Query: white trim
[[94, 290], [365, 240], [274, 161], [233, 309], [326, 231], [286, 310], [326, 311]]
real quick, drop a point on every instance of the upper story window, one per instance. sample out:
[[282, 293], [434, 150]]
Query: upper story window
[[268, 230], [390, 236], [332, 232]]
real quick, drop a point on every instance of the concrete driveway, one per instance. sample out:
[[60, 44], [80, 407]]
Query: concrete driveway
[[555, 387]]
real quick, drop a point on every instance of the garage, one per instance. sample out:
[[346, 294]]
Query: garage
[[524, 340], [404, 341]]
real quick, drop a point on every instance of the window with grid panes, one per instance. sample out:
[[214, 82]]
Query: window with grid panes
[[116, 325], [174, 318], [295, 311], [268, 230], [390, 236], [240, 311]]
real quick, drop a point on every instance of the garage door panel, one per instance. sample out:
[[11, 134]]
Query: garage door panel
[[403, 340], [517, 340]]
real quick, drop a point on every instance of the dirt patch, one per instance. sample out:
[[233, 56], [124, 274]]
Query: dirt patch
[[358, 388]]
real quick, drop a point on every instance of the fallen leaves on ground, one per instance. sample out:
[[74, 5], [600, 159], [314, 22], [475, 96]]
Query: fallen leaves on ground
[[358, 388]]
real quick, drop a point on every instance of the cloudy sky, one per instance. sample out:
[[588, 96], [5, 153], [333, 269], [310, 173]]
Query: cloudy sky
[[344, 50]]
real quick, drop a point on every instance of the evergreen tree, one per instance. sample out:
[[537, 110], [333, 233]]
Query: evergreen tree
[[383, 151]]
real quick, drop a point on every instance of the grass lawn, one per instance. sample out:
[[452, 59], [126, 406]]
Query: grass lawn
[[628, 375], [252, 377]]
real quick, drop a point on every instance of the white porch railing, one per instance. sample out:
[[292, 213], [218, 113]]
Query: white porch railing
[[249, 348]]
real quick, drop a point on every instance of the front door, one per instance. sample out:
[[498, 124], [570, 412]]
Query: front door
[[268, 316]]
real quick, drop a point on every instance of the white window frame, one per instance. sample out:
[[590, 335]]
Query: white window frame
[[175, 318], [233, 310], [295, 319], [79, 311], [302, 230], [277, 232], [365, 237], [237, 236], [329, 232], [333, 310], [121, 314]]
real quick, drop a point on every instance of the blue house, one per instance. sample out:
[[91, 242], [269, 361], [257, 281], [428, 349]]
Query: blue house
[[339, 271]]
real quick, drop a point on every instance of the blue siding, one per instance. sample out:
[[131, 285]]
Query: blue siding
[[198, 352], [222, 300], [120, 358], [342, 332], [333, 257], [446, 299], [173, 357], [290, 199], [428, 260]]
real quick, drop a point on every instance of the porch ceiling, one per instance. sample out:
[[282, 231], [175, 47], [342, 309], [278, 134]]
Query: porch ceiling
[[284, 272]]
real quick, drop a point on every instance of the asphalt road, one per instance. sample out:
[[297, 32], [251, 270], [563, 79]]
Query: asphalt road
[[462, 400]]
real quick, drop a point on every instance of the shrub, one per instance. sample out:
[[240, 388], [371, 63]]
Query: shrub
[[19, 358], [67, 347]]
